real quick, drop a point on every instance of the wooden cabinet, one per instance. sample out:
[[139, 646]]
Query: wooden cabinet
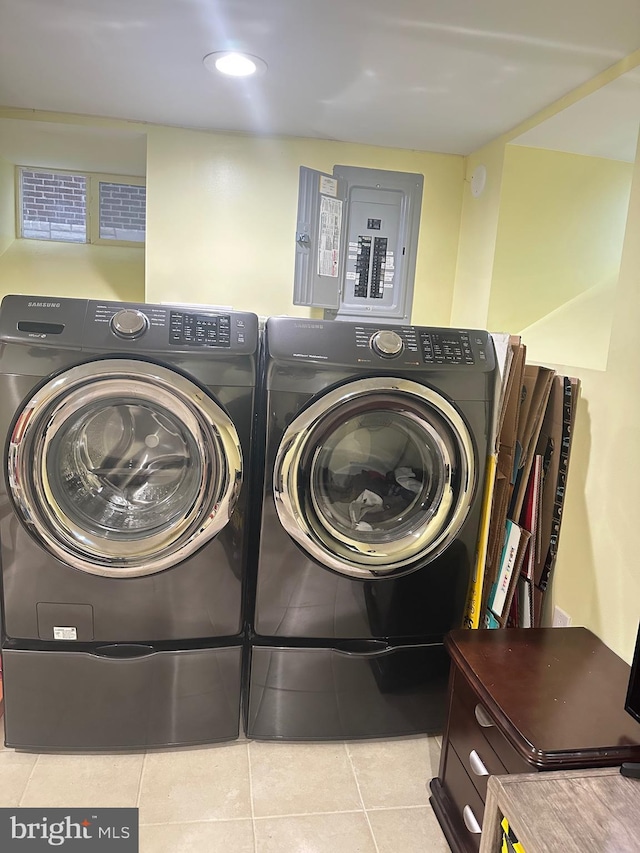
[[523, 700]]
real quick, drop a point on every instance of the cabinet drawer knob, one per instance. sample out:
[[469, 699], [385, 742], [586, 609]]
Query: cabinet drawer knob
[[482, 717], [470, 821], [477, 765]]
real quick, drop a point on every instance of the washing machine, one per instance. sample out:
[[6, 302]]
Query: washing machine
[[375, 445], [123, 521]]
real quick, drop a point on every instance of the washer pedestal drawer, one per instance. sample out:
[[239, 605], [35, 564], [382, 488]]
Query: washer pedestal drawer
[[120, 697]]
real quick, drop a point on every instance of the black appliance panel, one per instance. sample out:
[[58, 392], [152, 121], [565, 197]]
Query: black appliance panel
[[296, 597], [345, 693], [120, 697]]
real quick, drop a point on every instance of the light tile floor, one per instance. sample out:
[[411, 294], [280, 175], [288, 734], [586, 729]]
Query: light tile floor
[[249, 796]]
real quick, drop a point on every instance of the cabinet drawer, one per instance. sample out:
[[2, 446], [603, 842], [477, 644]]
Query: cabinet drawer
[[467, 738], [473, 727], [469, 806]]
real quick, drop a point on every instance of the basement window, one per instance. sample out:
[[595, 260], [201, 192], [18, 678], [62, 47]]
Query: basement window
[[81, 207]]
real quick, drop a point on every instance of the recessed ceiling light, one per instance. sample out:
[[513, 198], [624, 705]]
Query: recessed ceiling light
[[234, 64]]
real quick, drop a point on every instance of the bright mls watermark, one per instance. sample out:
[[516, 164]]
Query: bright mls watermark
[[26, 830]]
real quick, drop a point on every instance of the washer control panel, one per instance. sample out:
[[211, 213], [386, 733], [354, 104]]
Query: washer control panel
[[106, 326], [170, 327], [212, 330]]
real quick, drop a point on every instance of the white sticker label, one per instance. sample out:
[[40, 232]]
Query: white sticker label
[[351, 276], [329, 238], [64, 633], [328, 186]]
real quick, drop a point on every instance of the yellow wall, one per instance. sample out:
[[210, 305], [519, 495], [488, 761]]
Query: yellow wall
[[478, 229], [66, 269], [560, 231], [597, 575], [221, 217], [7, 205], [479, 221]]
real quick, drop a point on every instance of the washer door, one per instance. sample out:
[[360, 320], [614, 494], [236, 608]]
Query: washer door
[[375, 477], [122, 467]]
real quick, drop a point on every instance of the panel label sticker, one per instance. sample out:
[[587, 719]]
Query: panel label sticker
[[328, 186], [64, 632], [329, 237]]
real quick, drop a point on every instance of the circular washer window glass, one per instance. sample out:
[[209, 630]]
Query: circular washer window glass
[[125, 470], [123, 467], [375, 477], [379, 473]]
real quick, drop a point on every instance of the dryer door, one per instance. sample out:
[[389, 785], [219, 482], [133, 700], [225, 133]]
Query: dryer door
[[123, 467], [375, 477]]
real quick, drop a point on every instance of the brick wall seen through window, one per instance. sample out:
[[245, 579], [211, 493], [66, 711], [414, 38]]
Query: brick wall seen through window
[[122, 211], [55, 207]]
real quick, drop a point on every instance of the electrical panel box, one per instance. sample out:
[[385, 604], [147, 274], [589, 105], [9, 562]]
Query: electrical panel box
[[357, 241]]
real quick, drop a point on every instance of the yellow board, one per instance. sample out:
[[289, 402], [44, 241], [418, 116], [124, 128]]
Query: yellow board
[[472, 615], [510, 843]]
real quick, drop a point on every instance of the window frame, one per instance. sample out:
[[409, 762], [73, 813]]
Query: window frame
[[92, 210]]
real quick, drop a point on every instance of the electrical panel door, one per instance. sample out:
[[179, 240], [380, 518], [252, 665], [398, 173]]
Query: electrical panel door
[[375, 243], [319, 240]]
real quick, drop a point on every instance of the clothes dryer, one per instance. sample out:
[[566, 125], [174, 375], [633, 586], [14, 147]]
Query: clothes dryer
[[376, 441], [123, 521]]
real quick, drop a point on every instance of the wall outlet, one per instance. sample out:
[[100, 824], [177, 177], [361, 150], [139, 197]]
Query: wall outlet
[[560, 618]]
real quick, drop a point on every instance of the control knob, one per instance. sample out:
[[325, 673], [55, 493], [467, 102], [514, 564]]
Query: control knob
[[129, 323], [387, 344]]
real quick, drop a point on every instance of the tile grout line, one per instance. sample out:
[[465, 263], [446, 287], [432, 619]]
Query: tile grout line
[[397, 808], [253, 816], [364, 808], [139, 792], [26, 785], [307, 814], [258, 818], [205, 820]]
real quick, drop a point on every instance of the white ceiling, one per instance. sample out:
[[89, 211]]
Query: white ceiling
[[436, 75], [604, 124]]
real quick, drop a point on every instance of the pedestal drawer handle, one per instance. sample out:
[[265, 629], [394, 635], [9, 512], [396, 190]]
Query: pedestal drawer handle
[[470, 821], [477, 764], [483, 718]]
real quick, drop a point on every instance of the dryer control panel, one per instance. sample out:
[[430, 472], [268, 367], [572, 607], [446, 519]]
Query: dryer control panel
[[448, 346], [387, 347]]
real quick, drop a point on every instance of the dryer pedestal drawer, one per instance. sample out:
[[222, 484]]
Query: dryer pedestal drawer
[[302, 693], [131, 701]]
